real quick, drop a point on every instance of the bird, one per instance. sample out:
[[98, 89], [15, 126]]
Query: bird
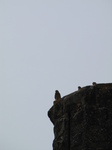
[[79, 87], [57, 95], [94, 83]]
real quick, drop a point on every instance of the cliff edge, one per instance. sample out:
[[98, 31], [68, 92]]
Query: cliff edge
[[83, 119]]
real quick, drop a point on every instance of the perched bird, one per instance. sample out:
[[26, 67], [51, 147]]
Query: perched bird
[[57, 95], [79, 87], [94, 83]]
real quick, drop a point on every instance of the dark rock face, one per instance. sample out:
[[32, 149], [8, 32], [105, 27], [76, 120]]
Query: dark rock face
[[83, 119]]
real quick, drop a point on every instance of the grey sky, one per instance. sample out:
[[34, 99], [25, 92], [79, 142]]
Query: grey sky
[[47, 45]]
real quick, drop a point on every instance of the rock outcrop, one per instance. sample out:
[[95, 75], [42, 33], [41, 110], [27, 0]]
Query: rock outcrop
[[83, 119]]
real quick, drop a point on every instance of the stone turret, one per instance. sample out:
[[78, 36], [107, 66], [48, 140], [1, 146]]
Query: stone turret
[[83, 119]]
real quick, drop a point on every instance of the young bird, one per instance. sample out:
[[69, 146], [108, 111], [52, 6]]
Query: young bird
[[57, 95], [79, 87], [94, 83]]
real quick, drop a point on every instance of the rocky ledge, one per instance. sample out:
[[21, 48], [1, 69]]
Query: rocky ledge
[[83, 119]]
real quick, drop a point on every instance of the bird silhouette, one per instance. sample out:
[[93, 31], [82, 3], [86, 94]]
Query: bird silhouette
[[79, 87], [57, 95], [94, 83]]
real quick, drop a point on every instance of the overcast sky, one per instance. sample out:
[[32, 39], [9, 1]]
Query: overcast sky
[[47, 45]]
